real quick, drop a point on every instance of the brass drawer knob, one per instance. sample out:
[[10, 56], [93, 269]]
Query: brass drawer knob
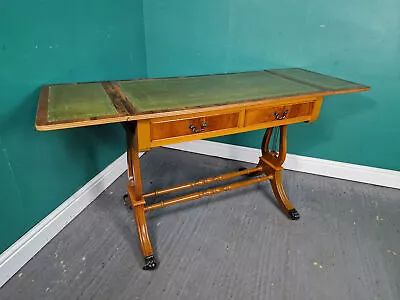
[[195, 130], [278, 117]]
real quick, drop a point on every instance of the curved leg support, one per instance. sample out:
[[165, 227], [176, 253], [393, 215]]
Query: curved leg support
[[143, 234], [136, 195], [272, 161], [281, 197]]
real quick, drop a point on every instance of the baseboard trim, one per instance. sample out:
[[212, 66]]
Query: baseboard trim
[[18, 254], [317, 166]]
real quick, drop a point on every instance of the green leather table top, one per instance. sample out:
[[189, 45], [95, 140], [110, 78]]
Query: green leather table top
[[151, 95], [78, 101], [68, 103]]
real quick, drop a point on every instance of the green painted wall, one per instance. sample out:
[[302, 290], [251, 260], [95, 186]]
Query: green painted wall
[[47, 42], [358, 40]]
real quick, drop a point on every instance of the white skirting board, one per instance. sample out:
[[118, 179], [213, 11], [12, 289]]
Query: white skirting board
[[35, 239], [376, 176]]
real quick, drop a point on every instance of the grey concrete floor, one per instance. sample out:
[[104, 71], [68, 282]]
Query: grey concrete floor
[[235, 245]]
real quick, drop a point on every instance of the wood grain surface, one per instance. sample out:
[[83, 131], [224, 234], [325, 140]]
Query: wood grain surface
[[84, 104]]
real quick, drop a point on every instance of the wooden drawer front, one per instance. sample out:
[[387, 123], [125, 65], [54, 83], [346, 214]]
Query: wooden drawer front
[[168, 129], [269, 114]]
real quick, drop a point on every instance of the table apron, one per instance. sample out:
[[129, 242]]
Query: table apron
[[176, 129]]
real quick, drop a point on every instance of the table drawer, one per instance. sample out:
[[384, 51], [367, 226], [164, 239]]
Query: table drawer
[[192, 125], [277, 113]]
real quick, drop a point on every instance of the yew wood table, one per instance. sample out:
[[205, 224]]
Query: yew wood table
[[158, 112]]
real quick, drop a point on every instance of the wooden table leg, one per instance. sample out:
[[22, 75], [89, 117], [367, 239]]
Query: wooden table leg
[[271, 162], [136, 195]]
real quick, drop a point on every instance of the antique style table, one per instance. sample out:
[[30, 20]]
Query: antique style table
[[158, 112]]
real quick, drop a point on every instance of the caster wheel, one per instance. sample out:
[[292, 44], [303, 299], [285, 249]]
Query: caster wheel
[[150, 263], [127, 201], [293, 214]]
